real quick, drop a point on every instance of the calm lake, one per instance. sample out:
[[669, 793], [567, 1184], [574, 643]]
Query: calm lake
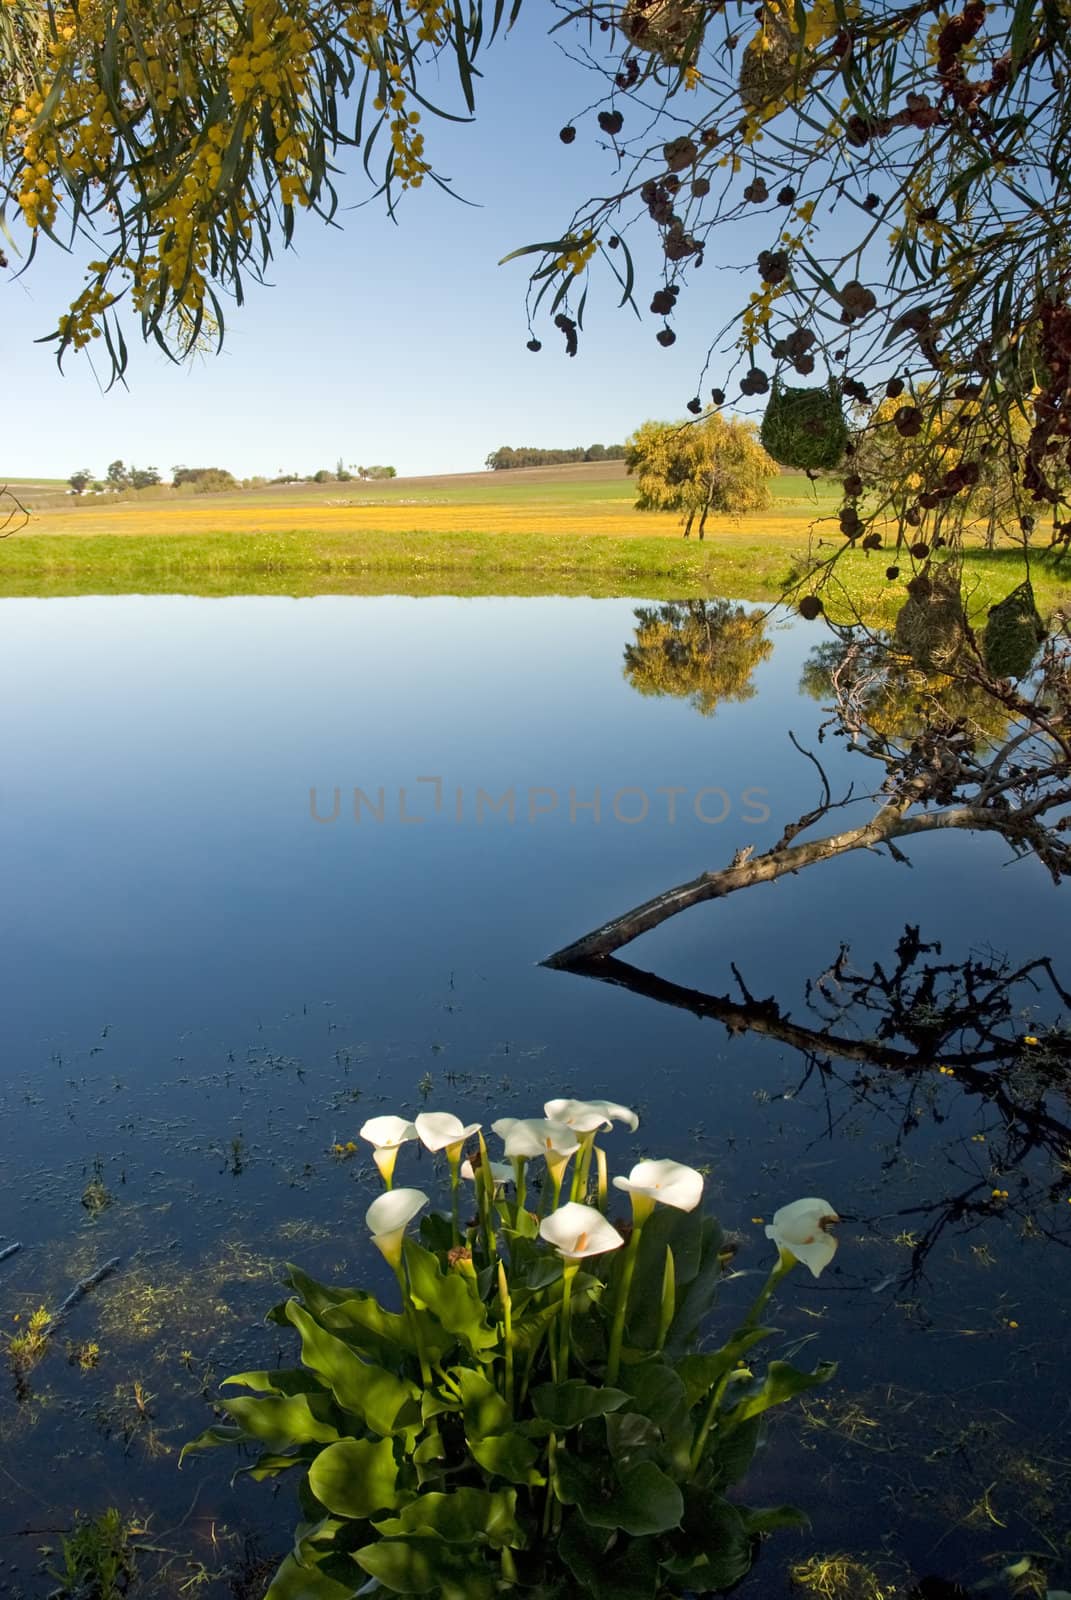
[[214, 971]]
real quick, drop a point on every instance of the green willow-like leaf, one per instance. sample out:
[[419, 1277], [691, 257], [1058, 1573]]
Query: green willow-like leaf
[[386, 1403], [356, 1477], [460, 1516], [641, 1500], [285, 1381]]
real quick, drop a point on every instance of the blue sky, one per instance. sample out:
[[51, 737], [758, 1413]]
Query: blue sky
[[381, 342]]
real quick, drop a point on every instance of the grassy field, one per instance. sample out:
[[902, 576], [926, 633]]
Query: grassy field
[[561, 530]]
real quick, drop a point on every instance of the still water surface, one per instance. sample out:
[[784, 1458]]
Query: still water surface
[[205, 988]]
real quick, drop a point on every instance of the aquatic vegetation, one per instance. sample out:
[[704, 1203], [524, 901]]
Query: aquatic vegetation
[[96, 1561], [540, 1411], [25, 1349]]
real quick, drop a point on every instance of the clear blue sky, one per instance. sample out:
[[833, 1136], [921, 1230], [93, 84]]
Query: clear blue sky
[[400, 344]]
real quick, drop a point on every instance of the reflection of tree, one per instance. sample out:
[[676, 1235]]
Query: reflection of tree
[[891, 697], [704, 651], [874, 1038]]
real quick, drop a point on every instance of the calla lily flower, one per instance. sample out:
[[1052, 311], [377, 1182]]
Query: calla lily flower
[[588, 1116], [528, 1137], [799, 1230], [578, 1231], [439, 1130], [387, 1135], [667, 1182], [389, 1216], [501, 1171]]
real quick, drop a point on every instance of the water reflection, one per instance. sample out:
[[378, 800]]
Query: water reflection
[[702, 651], [899, 1025]]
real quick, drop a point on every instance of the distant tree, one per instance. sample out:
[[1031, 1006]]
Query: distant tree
[[705, 651], [80, 480], [510, 456], [714, 465], [323, 476], [204, 480], [118, 476], [144, 477], [341, 472], [377, 472]]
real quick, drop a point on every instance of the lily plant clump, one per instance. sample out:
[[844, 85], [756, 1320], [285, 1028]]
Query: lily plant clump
[[546, 1408]]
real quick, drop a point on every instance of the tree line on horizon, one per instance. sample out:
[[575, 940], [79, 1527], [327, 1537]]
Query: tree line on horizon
[[207, 480], [525, 455]]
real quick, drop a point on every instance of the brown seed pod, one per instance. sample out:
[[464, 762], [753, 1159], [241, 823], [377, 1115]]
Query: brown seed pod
[[908, 422], [920, 550], [892, 572], [810, 607]]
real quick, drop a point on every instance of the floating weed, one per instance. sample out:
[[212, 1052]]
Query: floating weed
[[25, 1348], [839, 1577]]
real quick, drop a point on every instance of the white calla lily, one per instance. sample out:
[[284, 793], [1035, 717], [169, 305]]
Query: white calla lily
[[799, 1230], [578, 1231], [501, 1171], [387, 1135], [528, 1137], [389, 1216], [668, 1183], [525, 1138], [588, 1116], [441, 1130]]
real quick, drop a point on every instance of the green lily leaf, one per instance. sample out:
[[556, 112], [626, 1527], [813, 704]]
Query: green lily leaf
[[386, 1403], [782, 1382], [632, 1437], [460, 1516], [289, 1381], [315, 1540], [296, 1582], [657, 1392], [730, 1457], [714, 1548], [567, 1405], [508, 1455], [361, 1320], [283, 1420], [451, 1298], [768, 1519], [317, 1297], [622, 1571], [696, 1297], [641, 1500], [485, 1410], [699, 1373], [270, 1466], [427, 1566], [219, 1433], [356, 1477]]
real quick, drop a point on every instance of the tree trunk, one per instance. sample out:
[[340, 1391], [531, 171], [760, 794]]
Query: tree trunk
[[886, 825]]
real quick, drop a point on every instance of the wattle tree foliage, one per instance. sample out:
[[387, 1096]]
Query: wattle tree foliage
[[909, 165], [715, 465]]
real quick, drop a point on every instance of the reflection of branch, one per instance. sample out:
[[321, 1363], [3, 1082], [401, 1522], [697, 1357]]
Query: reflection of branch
[[963, 1015]]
